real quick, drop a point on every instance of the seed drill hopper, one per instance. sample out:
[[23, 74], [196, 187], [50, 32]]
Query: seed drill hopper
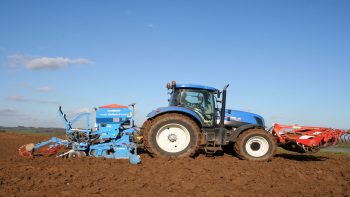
[[112, 136]]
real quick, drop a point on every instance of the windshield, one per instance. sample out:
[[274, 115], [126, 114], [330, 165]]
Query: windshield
[[200, 101]]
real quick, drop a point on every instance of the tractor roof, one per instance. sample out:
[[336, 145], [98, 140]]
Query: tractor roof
[[191, 86]]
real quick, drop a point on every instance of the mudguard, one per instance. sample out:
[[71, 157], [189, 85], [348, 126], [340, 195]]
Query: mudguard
[[181, 110], [243, 128]]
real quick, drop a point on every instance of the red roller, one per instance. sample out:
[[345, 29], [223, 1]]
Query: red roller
[[305, 138]]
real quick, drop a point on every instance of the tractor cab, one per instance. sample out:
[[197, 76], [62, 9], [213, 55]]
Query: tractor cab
[[200, 99], [203, 100]]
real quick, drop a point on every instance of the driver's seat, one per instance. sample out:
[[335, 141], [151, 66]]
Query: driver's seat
[[183, 98]]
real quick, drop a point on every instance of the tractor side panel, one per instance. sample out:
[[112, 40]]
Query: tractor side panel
[[241, 129], [236, 118]]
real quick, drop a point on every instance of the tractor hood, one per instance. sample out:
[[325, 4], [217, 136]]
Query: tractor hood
[[236, 118]]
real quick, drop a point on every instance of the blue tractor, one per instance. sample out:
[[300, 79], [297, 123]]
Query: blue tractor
[[197, 117]]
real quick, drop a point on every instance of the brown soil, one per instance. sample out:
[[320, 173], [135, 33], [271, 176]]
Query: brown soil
[[286, 175]]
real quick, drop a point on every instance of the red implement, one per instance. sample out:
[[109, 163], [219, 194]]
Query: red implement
[[28, 150], [305, 138]]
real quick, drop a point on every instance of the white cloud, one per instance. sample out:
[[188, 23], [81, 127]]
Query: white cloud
[[49, 63], [14, 61], [43, 89], [16, 98], [8, 112], [43, 63], [7, 115], [23, 99], [45, 102], [82, 110]]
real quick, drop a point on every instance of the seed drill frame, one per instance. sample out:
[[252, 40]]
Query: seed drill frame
[[112, 136]]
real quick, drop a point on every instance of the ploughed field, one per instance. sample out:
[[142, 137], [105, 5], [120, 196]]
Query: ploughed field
[[288, 174]]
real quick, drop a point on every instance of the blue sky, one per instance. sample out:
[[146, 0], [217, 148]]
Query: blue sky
[[286, 60]]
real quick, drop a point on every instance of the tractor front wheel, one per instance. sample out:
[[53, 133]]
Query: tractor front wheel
[[255, 144], [173, 135], [76, 154]]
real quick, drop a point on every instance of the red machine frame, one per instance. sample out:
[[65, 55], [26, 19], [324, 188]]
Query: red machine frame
[[306, 138]]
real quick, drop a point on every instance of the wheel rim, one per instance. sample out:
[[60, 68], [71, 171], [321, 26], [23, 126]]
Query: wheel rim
[[257, 146], [74, 155], [173, 138]]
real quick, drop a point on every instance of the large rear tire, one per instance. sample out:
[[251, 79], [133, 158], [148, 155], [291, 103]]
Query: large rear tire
[[256, 145], [171, 135]]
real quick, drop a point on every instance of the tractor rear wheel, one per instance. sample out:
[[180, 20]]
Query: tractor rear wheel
[[171, 135], [255, 144]]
